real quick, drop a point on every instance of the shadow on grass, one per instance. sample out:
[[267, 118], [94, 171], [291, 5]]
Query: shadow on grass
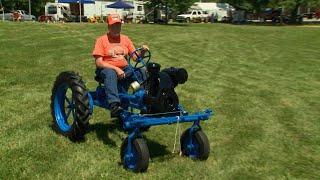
[[157, 150], [177, 24], [79, 139], [103, 130]]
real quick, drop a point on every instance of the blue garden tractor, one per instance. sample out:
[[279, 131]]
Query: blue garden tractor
[[148, 101]]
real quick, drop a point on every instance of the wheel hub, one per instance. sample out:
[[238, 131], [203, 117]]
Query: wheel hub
[[130, 160]]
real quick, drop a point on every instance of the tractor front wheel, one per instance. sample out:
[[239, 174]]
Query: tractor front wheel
[[135, 158], [195, 144]]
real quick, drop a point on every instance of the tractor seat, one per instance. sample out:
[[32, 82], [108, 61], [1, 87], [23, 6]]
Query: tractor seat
[[98, 77]]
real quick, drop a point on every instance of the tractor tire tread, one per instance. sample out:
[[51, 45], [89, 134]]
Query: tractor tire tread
[[81, 99]]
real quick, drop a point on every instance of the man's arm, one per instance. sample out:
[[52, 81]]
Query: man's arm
[[131, 49], [102, 64]]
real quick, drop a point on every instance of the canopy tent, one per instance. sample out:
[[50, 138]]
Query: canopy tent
[[120, 5], [77, 1]]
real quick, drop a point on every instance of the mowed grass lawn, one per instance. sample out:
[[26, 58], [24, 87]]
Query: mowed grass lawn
[[263, 83]]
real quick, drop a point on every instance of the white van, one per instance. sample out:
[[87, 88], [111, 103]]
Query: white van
[[220, 10], [59, 11], [138, 12]]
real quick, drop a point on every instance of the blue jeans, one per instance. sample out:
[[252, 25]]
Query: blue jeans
[[113, 84]]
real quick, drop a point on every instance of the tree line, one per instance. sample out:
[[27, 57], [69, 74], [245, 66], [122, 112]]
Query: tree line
[[37, 6], [291, 6], [179, 6]]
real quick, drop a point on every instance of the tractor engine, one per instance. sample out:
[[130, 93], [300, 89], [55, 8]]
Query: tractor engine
[[160, 95]]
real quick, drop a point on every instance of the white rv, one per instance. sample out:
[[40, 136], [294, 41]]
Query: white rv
[[138, 11], [59, 11], [100, 9], [220, 10]]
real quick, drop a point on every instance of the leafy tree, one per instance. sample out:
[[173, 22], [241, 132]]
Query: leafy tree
[[37, 6], [289, 5], [178, 6], [293, 5]]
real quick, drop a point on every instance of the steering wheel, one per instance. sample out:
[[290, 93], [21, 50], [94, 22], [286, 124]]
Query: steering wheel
[[143, 60]]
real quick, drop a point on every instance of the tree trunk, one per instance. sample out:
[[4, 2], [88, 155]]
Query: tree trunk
[[294, 12], [281, 19], [281, 16], [167, 20]]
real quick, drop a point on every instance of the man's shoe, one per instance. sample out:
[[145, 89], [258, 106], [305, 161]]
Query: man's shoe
[[115, 109]]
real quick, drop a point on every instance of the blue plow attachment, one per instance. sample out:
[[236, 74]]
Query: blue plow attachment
[[132, 121]]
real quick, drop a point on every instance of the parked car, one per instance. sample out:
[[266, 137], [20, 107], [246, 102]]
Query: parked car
[[312, 15], [20, 15], [193, 16], [8, 15], [220, 11], [275, 16], [317, 14]]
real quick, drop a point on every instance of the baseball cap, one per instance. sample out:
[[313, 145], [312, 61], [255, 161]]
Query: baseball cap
[[113, 18]]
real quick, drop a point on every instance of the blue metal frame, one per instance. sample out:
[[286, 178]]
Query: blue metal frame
[[132, 120], [192, 146], [136, 120], [130, 156]]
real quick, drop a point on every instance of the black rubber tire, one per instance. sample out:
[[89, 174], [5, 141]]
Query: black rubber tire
[[202, 139], [81, 99], [188, 20], [143, 154]]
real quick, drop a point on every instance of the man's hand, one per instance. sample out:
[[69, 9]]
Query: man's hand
[[120, 73], [144, 49], [101, 64]]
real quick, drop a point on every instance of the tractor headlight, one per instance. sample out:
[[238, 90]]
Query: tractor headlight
[[134, 86]]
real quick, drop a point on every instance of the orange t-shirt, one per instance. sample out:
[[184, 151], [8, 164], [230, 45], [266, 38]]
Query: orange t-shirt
[[113, 50]]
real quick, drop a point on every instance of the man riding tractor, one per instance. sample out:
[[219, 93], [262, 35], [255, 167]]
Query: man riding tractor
[[110, 54]]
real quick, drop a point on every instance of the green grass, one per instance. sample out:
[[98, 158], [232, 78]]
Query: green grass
[[263, 83]]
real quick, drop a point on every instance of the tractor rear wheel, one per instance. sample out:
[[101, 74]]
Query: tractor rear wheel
[[70, 107]]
